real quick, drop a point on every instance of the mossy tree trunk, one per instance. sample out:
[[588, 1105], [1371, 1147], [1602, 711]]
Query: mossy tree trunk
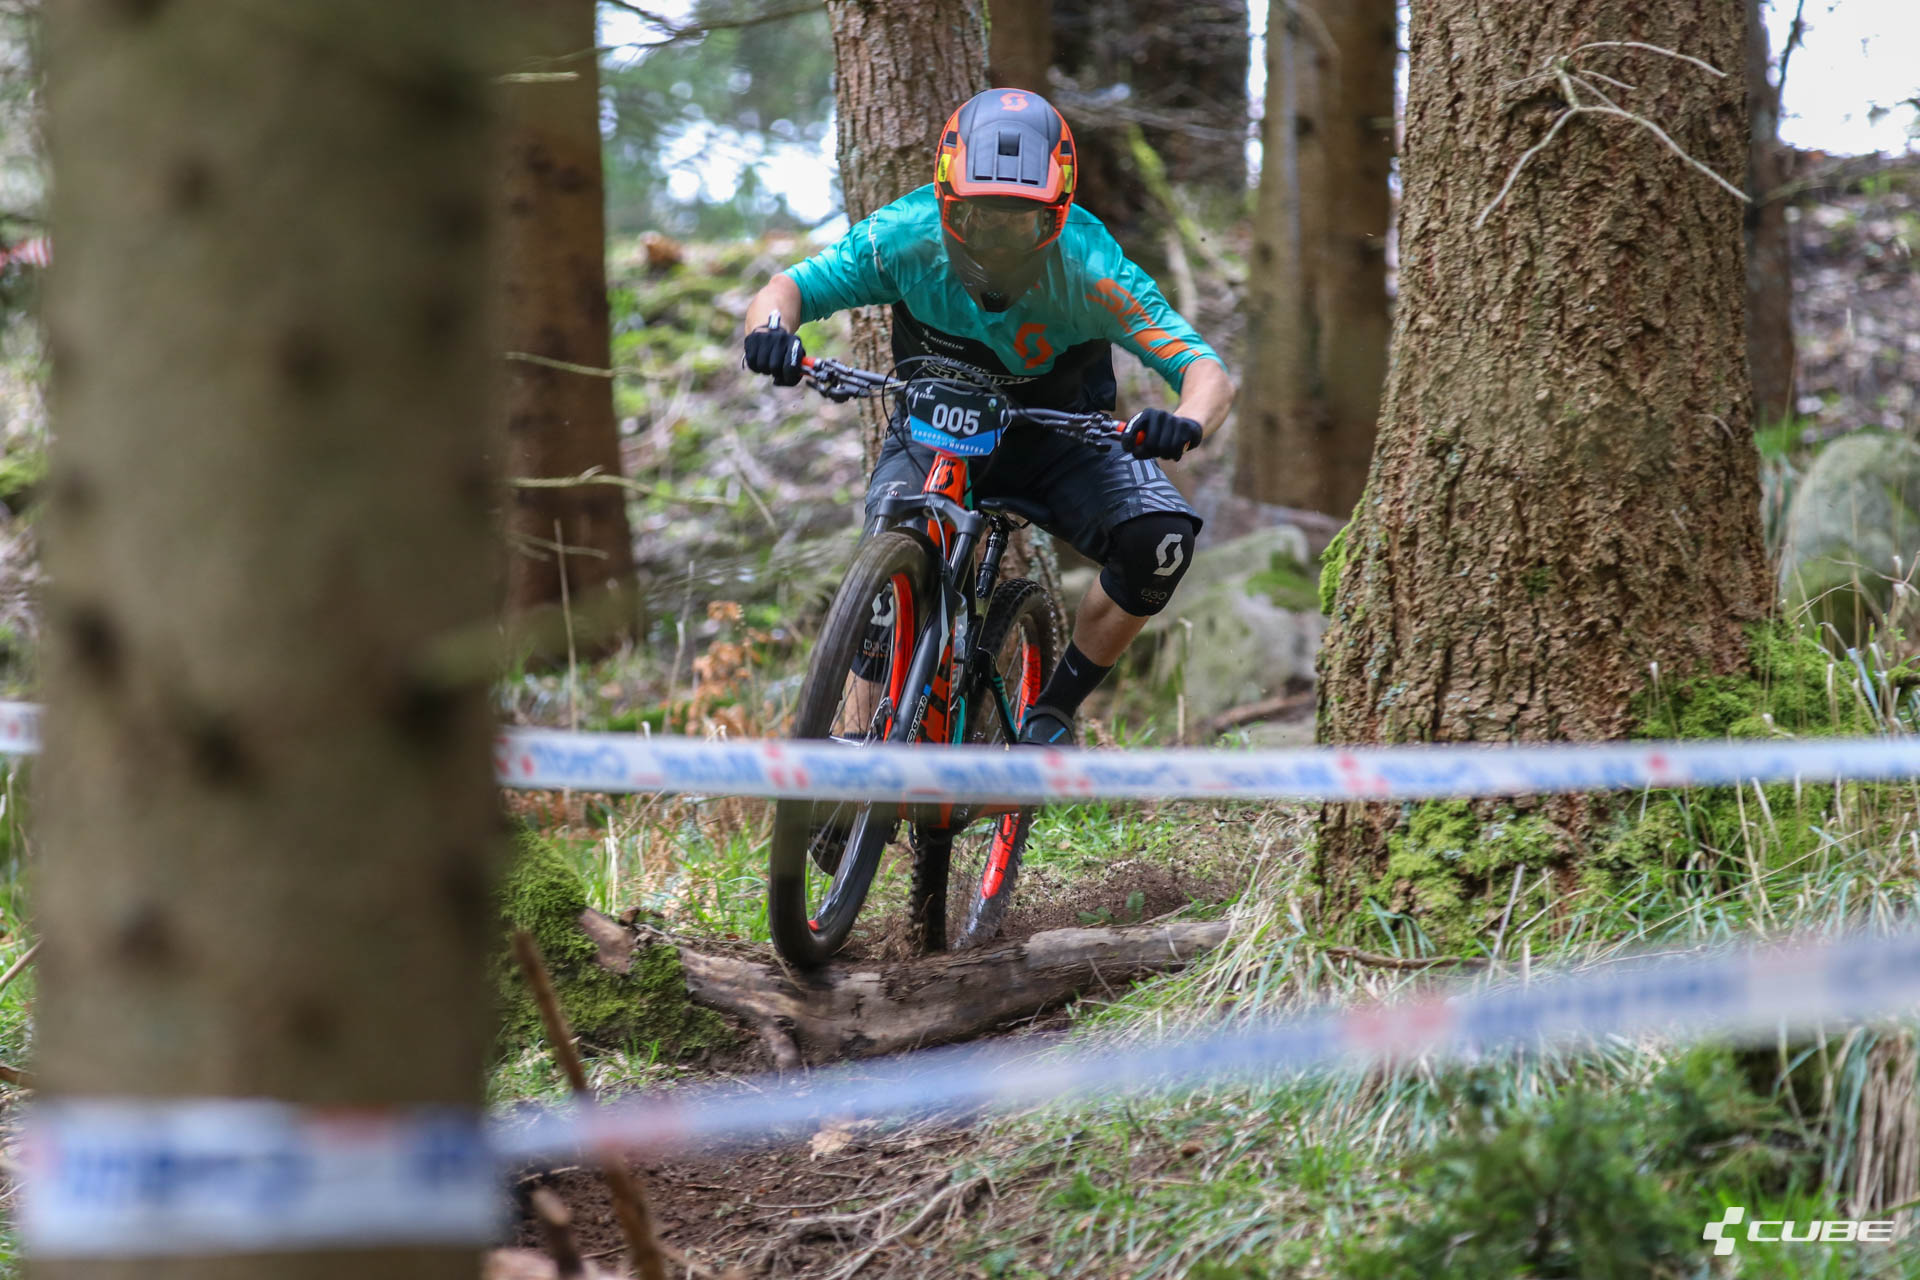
[[1564, 490], [554, 281], [267, 809], [1317, 324]]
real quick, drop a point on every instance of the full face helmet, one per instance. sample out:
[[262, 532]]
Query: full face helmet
[[1004, 178]]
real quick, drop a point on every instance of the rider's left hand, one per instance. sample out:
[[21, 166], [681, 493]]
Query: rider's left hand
[[1160, 433]]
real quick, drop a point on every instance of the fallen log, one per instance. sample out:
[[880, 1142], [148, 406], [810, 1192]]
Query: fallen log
[[849, 1010]]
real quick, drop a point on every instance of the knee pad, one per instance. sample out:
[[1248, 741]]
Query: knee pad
[[1147, 557]]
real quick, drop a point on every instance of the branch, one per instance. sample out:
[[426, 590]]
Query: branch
[[673, 34], [592, 476], [1795, 38], [1378, 961], [1560, 70]]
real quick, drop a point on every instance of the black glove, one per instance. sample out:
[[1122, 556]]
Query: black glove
[[773, 351], [1158, 433]]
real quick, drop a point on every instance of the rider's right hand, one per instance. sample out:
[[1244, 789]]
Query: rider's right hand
[[773, 351]]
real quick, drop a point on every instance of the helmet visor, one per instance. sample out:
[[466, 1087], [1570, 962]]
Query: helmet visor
[[1002, 224]]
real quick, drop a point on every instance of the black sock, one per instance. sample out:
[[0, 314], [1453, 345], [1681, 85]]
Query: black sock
[[1071, 682]]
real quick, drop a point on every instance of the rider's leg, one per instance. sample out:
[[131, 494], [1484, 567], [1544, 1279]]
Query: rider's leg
[[1147, 557]]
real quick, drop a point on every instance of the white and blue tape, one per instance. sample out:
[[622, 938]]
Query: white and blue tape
[[125, 1178], [553, 759]]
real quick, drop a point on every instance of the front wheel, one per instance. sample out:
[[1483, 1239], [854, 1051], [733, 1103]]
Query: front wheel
[[964, 872], [825, 853]]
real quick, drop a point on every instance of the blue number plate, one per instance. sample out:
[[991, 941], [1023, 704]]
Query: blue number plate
[[954, 419]]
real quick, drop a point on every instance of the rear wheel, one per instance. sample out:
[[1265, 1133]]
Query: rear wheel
[[964, 873], [825, 852]]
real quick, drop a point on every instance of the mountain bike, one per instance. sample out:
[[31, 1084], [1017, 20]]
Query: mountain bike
[[924, 643]]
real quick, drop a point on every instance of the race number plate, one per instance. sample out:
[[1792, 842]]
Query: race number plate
[[954, 419]]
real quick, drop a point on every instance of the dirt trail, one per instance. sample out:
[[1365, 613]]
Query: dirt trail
[[812, 1208]]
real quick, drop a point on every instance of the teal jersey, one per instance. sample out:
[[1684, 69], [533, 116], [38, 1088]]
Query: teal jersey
[[1090, 293]]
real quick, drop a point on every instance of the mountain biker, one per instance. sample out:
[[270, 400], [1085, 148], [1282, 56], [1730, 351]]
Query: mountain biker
[[993, 264]]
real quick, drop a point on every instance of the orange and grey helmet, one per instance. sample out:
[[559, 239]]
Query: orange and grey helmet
[[1004, 179]]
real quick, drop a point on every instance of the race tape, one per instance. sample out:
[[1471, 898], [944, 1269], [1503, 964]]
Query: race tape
[[131, 1177], [555, 759], [126, 1178], [799, 769]]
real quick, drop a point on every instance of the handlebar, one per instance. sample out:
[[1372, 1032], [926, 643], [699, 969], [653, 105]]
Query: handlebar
[[840, 382]]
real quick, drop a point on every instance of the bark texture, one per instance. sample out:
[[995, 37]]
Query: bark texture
[[1317, 324], [1564, 489], [271, 504], [1770, 347], [901, 68], [1176, 70], [1020, 43], [553, 279]]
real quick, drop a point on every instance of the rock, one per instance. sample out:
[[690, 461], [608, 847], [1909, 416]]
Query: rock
[[1853, 529], [1255, 625]]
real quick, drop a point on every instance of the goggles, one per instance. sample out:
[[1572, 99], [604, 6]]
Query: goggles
[[1001, 224]]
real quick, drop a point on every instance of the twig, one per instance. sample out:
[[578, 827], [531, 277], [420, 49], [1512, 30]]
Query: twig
[[1377, 961], [14, 970], [629, 1208], [1795, 37], [960, 1189], [556, 1224], [592, 476], [1708, 67], [673, 33], [15, 1076], [1513, 895], [1560, 70]]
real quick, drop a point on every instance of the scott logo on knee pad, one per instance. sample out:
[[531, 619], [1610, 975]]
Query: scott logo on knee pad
[[1170, 554]]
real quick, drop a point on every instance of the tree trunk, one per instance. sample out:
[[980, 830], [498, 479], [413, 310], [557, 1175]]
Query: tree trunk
[[553, 273], [901, 69], [1770, 348], [1020, 43], [1317, 323], [271, 506], [1177, 71], [1565, 489]]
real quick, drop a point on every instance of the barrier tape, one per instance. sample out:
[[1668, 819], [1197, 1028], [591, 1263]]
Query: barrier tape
[[127, 1177], [124, 1178], [553, 759]]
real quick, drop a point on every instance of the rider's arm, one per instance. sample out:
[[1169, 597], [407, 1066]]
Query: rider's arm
[[782, 295], [1206, 393]]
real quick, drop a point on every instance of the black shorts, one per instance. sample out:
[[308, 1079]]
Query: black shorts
[[1077, 494]]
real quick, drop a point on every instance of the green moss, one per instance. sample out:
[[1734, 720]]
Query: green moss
[[1791, 683], [1333, 561], [1285, 582], [544, 894], [1446, 864], [1792, 687], [1538, 581]]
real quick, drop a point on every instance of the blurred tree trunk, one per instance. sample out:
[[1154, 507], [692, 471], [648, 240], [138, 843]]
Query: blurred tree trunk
[[553, 271], [901, 69], [270, 509], [1178, 70], [1317, 324], [1770, 348], [1565, 485], [1020, 43]]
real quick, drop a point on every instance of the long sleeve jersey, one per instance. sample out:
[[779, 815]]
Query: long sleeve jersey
[[1052, 346]]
